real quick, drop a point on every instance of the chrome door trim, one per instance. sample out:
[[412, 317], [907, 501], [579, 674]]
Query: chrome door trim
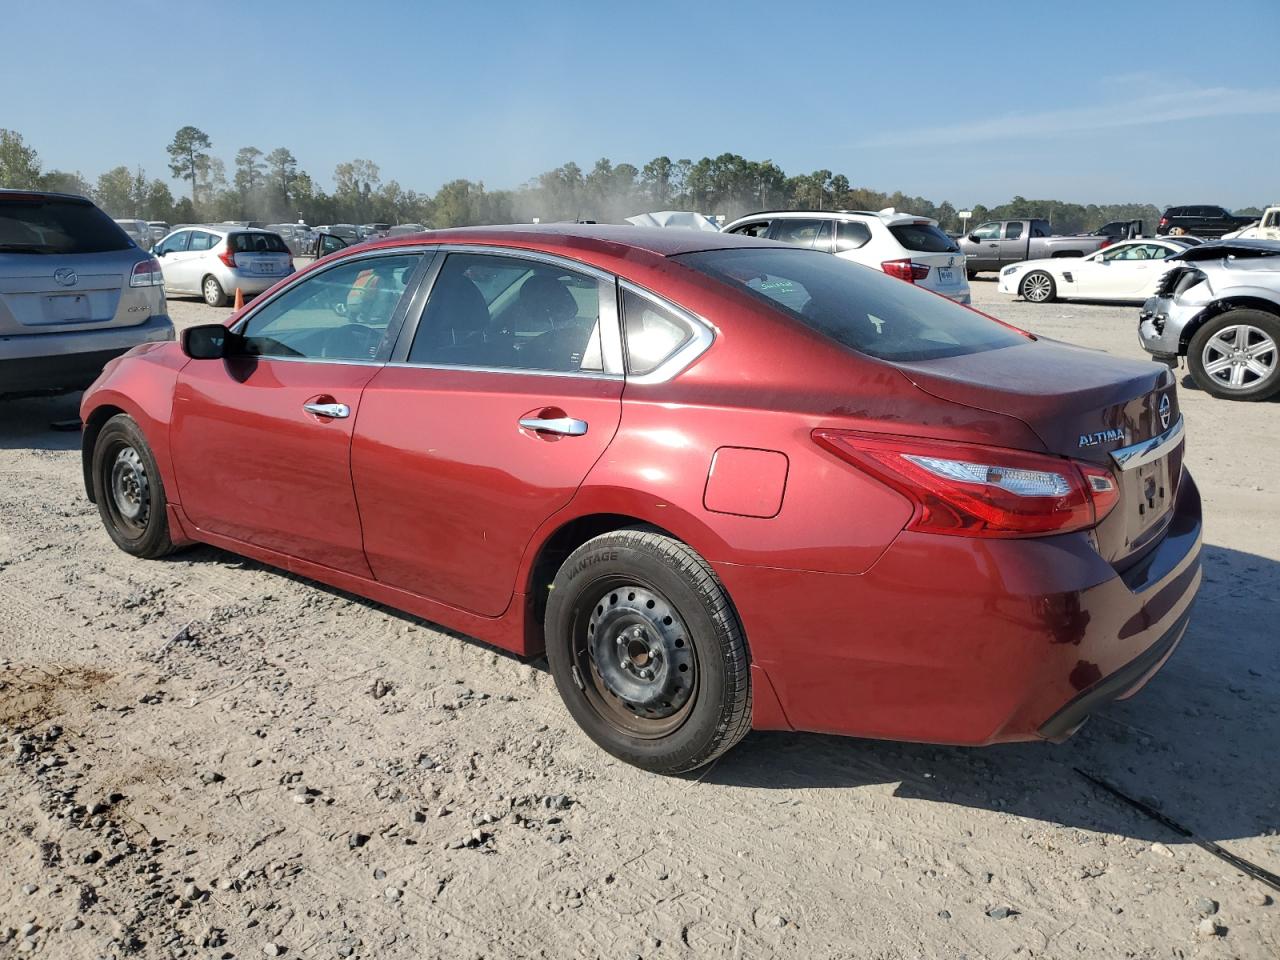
[[336, 411], [1138, 454], [562, 426], [703, 334]]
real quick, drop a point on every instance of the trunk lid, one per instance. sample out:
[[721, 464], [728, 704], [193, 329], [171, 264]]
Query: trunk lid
[[60, 293], [1082, 404]]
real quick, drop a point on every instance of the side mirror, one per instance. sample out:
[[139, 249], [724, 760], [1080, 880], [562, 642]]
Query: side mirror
[[974, 238], [209, 341]]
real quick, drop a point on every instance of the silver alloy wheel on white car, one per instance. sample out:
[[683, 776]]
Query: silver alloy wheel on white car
[[1037, 287], [1239, 356], [214, 295]]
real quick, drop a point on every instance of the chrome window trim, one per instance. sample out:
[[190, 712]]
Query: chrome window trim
[[1138, 454], [394, 325], [703, 335], [610, 317]]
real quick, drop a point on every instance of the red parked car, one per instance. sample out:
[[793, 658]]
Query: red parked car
[[724, 483]]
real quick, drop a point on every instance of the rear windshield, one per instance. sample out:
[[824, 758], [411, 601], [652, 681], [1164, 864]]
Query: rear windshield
[[257, 243], [40, 225], [854, 305], [923, 237]]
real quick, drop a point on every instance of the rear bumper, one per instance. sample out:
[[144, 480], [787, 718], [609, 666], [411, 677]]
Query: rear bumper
[[53, 362], [249, 284], [953, 640]]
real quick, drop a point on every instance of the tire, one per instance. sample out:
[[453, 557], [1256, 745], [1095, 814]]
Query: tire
[[213, 293], [128, 489], [1038, 287], [635, 602], [1236, 355], [971, 274]]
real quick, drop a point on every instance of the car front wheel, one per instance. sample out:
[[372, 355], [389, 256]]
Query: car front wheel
[[129, 491], [1038, 287], [647, 651], [1236, 355]]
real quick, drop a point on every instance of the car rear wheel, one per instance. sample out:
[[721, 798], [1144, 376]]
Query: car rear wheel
[[128, 489], [647, 651], [1236, 355], [214, 295], [1038, 287]]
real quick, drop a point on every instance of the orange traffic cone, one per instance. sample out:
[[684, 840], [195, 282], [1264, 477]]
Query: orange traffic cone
[[239, 305]]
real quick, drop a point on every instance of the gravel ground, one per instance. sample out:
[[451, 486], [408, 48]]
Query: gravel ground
[[203, 757]]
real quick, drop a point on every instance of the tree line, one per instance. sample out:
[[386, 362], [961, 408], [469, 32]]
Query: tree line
[[271, 187]]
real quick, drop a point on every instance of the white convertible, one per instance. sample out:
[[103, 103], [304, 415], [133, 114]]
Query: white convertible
[[1128, 270]]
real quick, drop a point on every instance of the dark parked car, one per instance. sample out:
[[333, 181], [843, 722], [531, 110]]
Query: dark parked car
[[1200, 221], [723, 482], [1120, 230]]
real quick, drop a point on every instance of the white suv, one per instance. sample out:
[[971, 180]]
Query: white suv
[[908, 247]]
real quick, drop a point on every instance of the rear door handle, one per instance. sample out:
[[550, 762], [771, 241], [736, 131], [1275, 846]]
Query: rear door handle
[[565, 426], [337, 411]]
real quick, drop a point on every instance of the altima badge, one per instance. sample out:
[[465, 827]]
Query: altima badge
[[1102, 436]]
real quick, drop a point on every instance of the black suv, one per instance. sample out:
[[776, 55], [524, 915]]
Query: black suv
[[1200, 221]]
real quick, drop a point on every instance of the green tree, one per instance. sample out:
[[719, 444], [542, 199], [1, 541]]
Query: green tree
[[282, 170], [354, 185], [63, 181], [19, 164], [250, 171], [114, 192], [189, 156]]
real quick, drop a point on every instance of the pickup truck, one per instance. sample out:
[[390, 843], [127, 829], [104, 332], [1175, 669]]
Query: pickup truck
[[1265, 228], [998, 243]]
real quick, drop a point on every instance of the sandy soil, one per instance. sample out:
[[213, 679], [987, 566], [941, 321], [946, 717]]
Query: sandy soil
[[203, 757]]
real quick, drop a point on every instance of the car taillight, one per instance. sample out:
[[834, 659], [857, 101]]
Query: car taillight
[[972, 490], [146, 273], [1164, 221], [905, 270], [228, 256], [1106, 242]]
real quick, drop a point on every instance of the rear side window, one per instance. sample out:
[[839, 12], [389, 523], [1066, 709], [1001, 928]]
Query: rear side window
[[202, 241], [41, 225], [652, 333], [1012, 231], [256, 243], [866, 311], [923, 237], [851, 234], [509, 313]]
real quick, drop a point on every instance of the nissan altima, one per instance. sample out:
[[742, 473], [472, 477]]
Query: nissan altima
[[721, 482]]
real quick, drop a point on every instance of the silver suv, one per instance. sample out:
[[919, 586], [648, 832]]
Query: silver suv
[[75, 292], [1218, 305], [214, 261]]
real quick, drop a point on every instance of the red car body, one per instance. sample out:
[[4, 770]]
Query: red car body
[[431, 499]]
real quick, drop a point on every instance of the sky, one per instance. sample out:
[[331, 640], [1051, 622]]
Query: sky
[[975, 102]]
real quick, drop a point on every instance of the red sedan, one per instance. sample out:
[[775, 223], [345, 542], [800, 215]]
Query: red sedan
[[722, 483]]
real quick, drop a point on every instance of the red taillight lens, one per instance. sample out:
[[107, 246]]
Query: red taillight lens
[[146, 273], [228, 256], [971, 490], [905, 270], [1106, 242], [1164, 221]]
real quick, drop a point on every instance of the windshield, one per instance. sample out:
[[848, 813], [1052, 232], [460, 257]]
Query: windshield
[[854, 305], [923, 238], [48, 225]]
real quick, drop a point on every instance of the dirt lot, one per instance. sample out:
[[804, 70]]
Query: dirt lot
[[202, 757]]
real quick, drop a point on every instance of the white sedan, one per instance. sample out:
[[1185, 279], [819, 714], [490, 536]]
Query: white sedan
[[1128, 270]]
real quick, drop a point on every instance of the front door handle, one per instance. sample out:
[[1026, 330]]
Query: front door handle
[[337, 411], [565, 426]]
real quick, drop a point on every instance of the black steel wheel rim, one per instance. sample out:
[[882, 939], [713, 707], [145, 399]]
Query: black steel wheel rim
[[126, 488], [633, 658]]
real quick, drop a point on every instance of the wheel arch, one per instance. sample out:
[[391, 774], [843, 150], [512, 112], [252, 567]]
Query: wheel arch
[[1219, 307], [92, 426]]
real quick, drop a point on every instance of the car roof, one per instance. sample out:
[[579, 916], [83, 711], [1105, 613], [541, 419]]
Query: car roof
[[594, 242], [895, 217]]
